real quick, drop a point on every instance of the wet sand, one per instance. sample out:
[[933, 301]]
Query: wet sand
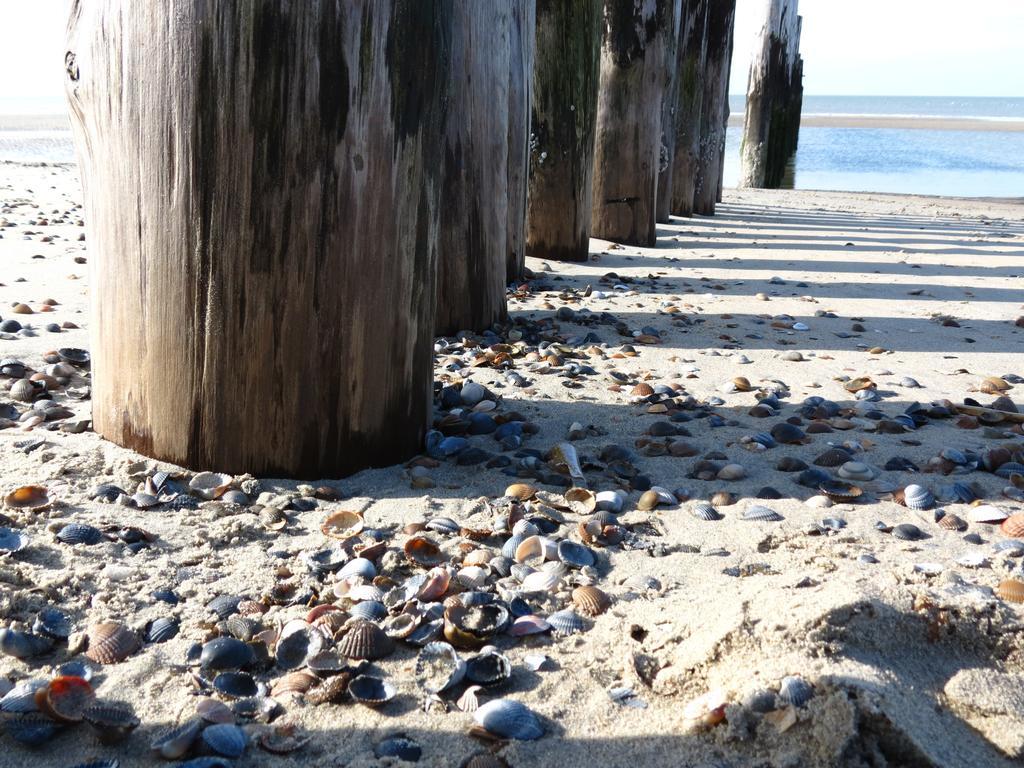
[[883, 629]]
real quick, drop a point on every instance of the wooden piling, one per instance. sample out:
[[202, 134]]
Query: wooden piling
[[714, 105], [689, 98]]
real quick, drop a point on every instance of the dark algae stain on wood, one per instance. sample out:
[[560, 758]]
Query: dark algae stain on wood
[[334, 85]]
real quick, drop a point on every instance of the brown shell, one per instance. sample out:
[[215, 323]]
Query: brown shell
[[213, 711], [294, 682], [111, 642], [521, 491], [251, 608], [648, 501], [590, 601], [993, 385], [834, 457], [365, 640], [423, 551], [722, 499], [1011, 590], [65, 699], [818, 428], [1013, 526], [331, 689], [342, 524], [581, 500], [856, 385], [952, 523], [34, 497], [643, 389]]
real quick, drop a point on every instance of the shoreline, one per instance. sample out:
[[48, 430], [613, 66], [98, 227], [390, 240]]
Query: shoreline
[[922, 122]]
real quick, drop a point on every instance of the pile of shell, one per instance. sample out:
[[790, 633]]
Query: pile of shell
[[33, 392]]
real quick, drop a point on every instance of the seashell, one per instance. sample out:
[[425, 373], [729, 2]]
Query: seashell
[[541, 581], [112, 723], [567, 622], [1010, 547], [768, 493], [161, 630], [21, 698], [12, 541], [834, 457], [365, 593], [298, 641], [784, 432], [472, 627], [856, 470], [525, 528], [242, 628], [358, 566], [489, 668], [536, 549], [210, 485], [342, 525], [907, 532], [483, 760], [371, 691], [791, 464], [226, 653], [520, 491], [435, 584], [732, 472], [1010, 468], [819, 502], [952, 523], [840, 492], [65, 699], [78, 533], [442, 525], [582, 501], [52, 622], [175, 742], [401, 626], [31, 729], [331, 689], [722, 499], [282, 739], [235, 685], [761, 514], [225, 739], [34, 498], [325, 663], [994, 458], [610, 501], [398, 746], [704, 511], [508, 719], [987, 513], [812, 478], [1013, 526], [224, 605], [111, 642], [501, 565], [575, 555], [472, 576], [918, 497], [365, 640], [648, 500], [438, 667], [423, 551], [1011, 590], [795, 691], [23, 645], [528, 625], [590, 601]]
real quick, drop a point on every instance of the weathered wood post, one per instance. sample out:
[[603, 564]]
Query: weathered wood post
[[563, 112], [475, 223], [769, 130], [669, 99], [628, 135], [730, 38], [689, 99], [715, 103], [521, 49], [262, 183]]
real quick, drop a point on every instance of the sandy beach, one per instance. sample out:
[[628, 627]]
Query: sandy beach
[[905, 654]]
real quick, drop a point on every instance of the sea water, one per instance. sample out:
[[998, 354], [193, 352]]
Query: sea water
[[927, 161]]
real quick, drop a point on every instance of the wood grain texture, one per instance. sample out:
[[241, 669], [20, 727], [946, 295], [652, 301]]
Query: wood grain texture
[[521, 49], [475, 218], [689, 100], [563, 114], [769, 131], [730, 42], [262, 188], [714, 103], [669, 100], [628, 133]]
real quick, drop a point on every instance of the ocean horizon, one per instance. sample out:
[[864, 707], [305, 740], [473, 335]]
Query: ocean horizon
[[925, 145]]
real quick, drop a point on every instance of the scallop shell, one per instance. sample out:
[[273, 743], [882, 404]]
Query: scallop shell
[[210, 485], [489, 668], [567, 622], [438, 667], [918, 497], [590, 601], [12, 541], [175, 742], [424, 551], [371, 691], [34, 498], [704, 511], [508, 719], [358, 566], [225, 739], [951, 522], [161, 629], [1013, 526], [833, 457], [1011, 590], [31, 729], [65, 699], [342, 524], [23, 645], [575, 555], [224, 605], [112, 723], [907, 532], [987, 513], [795, 691], [761, 514], [111, 642], [365, 640], [841, 492]]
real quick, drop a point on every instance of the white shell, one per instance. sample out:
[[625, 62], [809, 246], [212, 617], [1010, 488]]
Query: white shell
[[472, 576], [821, 502], [536, 548], [611, 501], [856, 470], [987, 513], [210, 485], [541, 581]]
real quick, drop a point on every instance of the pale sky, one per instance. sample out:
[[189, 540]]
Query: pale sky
[[850, 47]]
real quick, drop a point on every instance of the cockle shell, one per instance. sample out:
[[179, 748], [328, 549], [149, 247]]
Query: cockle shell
[[575, 555], [1013, 526], [834, 457], [343, 524], [489, 667], [508, 719], [918, 497], [65, 699], [371, 691], [567, 622], [704, 511], [210, 485], [590, 601], [111, 642], [987, 513], [438, 667], [365, 640], [541, 581], [536, 549], [761, 513], [1011, 590], [34, 498]]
